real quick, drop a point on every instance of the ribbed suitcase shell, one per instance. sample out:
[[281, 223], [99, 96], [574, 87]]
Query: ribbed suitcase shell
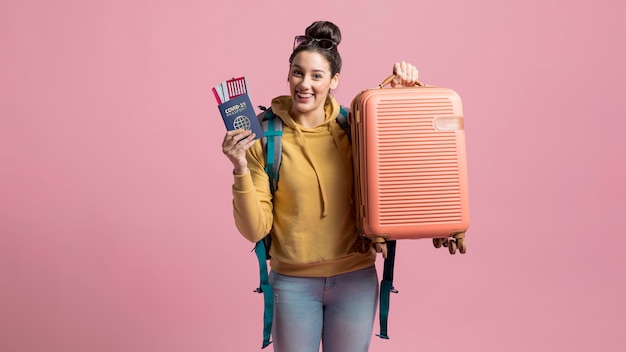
[[410, 163]]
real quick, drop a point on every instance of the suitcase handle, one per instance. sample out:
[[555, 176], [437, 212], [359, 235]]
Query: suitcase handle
[[390, 78]]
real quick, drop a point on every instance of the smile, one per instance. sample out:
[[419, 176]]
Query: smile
[[305, 95]]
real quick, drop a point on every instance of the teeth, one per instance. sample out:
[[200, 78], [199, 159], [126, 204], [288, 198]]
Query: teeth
[[303, 95]]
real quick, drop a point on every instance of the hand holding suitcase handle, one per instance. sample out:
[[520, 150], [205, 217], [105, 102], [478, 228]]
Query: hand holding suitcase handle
[[404, 75], [391, 78]]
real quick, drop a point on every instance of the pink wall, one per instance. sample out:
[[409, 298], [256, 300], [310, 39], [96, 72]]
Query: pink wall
[[116, 231]]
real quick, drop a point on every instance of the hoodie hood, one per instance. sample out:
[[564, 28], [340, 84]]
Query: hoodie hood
[[282, 105]]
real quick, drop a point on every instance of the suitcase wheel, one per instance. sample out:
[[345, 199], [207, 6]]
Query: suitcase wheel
[[452, 246], [459, 238], [438, 242], [456, 242], [461, 245], [381, 248]]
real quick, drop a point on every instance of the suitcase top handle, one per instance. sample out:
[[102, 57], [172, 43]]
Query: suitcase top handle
[[390, 78]]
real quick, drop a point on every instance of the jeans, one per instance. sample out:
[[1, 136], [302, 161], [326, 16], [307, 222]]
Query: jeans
[[338, 310]]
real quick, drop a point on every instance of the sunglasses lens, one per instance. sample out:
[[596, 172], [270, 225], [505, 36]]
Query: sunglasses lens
[[301, 39], [326, 44]]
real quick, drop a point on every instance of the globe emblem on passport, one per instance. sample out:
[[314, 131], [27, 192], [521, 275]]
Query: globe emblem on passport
[[241, 121]]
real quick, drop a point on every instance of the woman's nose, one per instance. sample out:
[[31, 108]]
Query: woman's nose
[[306, 81]]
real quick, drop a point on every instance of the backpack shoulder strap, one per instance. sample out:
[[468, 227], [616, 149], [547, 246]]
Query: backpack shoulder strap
[[268, 293], [272, 144], [386, 287], [342, 120]]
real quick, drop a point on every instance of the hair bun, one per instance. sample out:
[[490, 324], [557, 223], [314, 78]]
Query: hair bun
[[324, 30]]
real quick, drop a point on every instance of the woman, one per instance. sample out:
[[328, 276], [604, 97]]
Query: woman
[[324, 290]]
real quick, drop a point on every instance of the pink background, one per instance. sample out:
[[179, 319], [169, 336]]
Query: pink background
[[116, 232]]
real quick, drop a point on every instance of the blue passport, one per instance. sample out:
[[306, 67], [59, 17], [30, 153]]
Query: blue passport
[[239, 113]]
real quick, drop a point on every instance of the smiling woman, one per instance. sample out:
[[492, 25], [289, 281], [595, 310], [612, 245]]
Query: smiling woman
[[324, 290], [116, 229]]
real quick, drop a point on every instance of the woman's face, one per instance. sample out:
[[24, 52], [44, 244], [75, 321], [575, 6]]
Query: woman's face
[[310, 81]]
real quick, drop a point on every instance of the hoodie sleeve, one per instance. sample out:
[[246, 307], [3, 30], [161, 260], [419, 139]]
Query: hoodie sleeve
[[252, 199]]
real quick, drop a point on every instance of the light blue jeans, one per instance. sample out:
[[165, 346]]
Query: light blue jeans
[[338, 311]]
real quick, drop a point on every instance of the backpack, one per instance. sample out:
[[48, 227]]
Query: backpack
[[272, 146]]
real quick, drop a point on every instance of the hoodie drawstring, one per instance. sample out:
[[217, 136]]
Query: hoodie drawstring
[[308, 153]]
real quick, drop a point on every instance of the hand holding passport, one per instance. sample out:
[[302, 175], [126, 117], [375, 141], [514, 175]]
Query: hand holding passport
[[235, 107]]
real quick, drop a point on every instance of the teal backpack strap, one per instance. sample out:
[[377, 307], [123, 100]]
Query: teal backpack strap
[[342, 120], [386, 287], [272, 146], [268, 293]]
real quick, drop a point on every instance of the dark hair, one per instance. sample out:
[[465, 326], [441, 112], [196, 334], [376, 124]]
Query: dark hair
[[323, 30]]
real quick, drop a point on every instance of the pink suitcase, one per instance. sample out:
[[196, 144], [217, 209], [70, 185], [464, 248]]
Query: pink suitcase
[[410, 165]]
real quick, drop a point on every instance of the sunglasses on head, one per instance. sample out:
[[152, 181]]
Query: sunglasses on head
[[305, 40]]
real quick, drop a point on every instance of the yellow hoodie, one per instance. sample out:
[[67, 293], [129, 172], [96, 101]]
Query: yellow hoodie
[[311, 214]]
